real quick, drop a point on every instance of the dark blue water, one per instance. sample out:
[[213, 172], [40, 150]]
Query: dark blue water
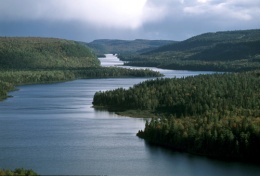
[[53, 129]]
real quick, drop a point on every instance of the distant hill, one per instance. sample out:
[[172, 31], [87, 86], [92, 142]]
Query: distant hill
[[104, 46], [34, 53], [211, 40], [210, 51]]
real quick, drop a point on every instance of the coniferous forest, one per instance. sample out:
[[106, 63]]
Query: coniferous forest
[[17, 172], [28, 60], [220, 51], [215, 115]]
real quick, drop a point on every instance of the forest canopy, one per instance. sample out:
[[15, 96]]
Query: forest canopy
[[44, 53], [18, 172], [220, 51], [29, 60], [202, 114]]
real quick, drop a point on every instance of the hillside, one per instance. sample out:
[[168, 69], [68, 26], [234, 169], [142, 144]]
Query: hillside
[[209, 40], [220, 51], [45, 60], [35, 53], [105, 46]]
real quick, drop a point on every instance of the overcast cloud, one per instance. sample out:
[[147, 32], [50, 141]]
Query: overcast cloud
[[86, 20]]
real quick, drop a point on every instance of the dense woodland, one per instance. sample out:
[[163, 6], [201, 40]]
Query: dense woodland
[[11, 78], [44, 53], [18, 172], [45, 60], [214, 115], [104, 46], [220, 51]]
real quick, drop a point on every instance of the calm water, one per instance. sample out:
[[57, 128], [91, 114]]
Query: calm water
[[52, 129]]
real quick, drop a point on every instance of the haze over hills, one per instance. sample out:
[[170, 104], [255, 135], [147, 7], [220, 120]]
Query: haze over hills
[[220, 51], [209, 40], [104, 46]]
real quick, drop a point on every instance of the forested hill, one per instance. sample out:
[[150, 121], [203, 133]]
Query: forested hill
[[30, 53], [104, 46], [44, 60], [213, 40], [216, 115], [220, 51]]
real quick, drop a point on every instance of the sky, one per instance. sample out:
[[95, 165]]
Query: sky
[[87, 20]]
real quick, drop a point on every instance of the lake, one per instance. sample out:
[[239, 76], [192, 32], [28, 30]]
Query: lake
[[53, 129]]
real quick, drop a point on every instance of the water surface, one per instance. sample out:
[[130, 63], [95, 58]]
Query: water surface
[[53, 130]]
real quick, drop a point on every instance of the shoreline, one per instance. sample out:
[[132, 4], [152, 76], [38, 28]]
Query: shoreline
[[214, 157], [11, 79]]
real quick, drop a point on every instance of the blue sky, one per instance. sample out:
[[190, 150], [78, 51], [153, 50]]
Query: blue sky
[[87, 20]]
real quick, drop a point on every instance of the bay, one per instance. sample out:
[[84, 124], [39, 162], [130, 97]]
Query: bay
[[53, 129]]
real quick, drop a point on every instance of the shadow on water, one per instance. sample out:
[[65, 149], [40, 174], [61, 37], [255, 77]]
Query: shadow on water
[[102, 110], [201, 165]]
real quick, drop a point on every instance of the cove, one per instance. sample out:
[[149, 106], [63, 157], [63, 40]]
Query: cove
[[53, 129]]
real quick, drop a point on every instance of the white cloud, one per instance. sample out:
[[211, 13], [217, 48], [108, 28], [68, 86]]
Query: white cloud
[[202, 1], [160, 19], [114, 13], [181, 1], [153, 11], [107, 13], [224, 9]]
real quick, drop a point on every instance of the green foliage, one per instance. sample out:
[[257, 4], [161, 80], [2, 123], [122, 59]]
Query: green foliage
[[225, 105], [208, 40], [10, 78], [220, 94], [228, 137], [4, 88], [44, 60], [221, 51], [35, 53], [125, 46], [18, 172]]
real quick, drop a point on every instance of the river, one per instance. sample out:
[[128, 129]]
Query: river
[[52, 129]]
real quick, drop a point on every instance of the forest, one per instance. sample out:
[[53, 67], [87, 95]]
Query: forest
[[26, 60], [11, 78], [216, 115], [104, 46], [17, 172], [221, 51], [44, 53]]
